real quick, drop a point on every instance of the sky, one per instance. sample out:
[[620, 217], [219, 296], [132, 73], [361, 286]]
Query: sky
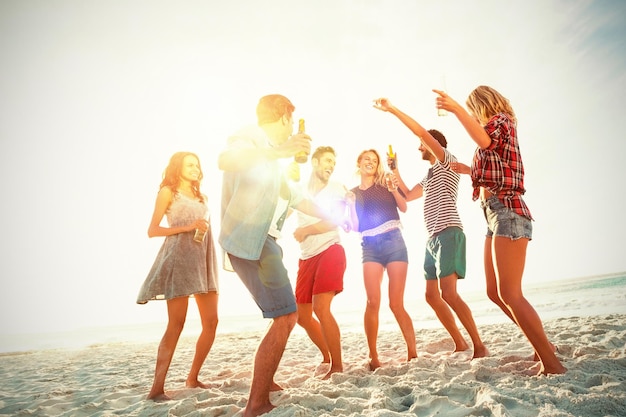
[[96, 96]]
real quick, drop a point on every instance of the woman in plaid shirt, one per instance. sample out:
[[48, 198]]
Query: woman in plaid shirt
[[497, 175]]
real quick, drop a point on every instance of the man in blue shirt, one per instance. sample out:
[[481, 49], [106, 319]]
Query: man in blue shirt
[[255, 201]]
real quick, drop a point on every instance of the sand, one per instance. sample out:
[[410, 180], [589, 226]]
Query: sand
[[113, 379]]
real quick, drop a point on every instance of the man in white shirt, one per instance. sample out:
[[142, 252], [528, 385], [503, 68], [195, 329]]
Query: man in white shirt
[[322, 261]]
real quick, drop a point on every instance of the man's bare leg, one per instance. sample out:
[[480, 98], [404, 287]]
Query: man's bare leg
[[330, 330], [444, 314], [453, 299], [313, 329], [267, 358]]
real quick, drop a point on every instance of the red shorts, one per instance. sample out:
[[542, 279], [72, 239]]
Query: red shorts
[[321, 273]]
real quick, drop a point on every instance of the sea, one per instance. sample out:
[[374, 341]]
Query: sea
[[579, 297]]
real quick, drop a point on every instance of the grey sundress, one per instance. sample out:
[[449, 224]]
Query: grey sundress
[[183, 266]]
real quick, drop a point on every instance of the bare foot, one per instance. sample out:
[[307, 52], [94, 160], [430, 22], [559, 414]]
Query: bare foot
[[374, 364], [265, 408], [533, 370], [333, 370], [556, 370], [538, 369], [480, 352], [322, 369], [198, 384], [158, 397], [275, 387]]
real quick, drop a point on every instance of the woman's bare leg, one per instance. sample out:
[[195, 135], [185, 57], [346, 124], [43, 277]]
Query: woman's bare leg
[[207, 306], [493, 292], [372, 278], [397, 282], [176, 313], [509, 259]]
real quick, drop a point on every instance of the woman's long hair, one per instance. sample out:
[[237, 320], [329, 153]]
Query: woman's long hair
[[485, 102], [171, 175], [380, 171]]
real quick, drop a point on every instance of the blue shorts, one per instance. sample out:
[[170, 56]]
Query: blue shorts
[[445, 254], [267, 280], [385, 248], [502, 221]]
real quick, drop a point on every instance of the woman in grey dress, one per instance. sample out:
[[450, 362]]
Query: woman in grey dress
[[185, 265]]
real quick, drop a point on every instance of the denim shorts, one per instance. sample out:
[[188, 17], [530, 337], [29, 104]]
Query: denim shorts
[[385, 248], [267, 280], [502, 221], [445, 254]]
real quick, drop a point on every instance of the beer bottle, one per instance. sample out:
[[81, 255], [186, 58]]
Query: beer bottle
[[392, 157], [301, 157]]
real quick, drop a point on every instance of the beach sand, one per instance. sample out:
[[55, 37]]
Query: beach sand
[[113, 379]]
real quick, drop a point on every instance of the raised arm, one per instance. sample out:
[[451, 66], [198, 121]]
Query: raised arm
[[471, 125], [426, 138]]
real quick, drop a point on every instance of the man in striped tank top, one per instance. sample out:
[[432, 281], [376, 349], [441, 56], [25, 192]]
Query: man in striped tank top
[[444, 259]]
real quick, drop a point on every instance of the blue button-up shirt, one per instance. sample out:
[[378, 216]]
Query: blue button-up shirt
[[249, 198]]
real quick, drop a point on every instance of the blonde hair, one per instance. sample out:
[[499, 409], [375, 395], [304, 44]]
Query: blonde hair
[[485, 102], [380, 171]]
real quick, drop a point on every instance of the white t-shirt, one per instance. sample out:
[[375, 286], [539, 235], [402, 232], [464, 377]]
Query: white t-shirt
[[332, 200], [441, 186]]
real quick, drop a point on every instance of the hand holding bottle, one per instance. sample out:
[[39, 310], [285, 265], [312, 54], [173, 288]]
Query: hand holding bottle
[[297, 143], [201, 227], [293, 171], [391, 181]]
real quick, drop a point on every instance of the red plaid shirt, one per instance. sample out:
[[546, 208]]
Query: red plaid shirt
[[499, 167]]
